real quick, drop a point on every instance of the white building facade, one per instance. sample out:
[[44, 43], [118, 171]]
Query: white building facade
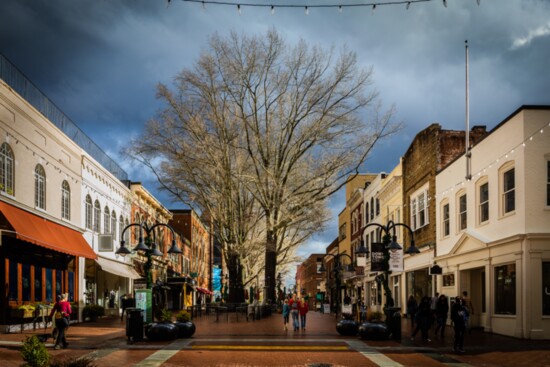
[[493, 230]]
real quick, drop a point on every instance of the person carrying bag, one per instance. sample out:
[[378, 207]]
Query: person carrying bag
[[61, 313]]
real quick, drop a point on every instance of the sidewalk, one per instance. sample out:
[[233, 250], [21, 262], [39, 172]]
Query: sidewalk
[[108, 333]]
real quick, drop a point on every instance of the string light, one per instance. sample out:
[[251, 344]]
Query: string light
[[496, 161], [340, 7]]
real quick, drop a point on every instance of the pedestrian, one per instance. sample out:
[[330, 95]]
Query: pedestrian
[[422, 319], [363, 312], [294, 311], [303, 309], [433, 303], [412, 305], [467, 303], [458, 317], [441, 313], [60, 314], [286, 313]]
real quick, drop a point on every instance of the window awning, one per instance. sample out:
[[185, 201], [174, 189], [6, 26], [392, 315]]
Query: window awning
[[117, 268], [31, 228], [203, 290]]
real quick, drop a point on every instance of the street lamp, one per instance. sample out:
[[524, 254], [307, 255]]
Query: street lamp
[[389, 241], [147, 246], [389, 244], [337, 269]]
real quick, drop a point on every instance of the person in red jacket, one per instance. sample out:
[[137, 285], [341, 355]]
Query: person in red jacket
[[304, 308], [61, 312]]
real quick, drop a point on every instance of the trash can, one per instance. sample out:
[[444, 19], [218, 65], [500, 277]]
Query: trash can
[[393, 321], [134, 324]]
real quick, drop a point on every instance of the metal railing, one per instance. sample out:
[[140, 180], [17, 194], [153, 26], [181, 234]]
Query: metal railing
[[10, 74]]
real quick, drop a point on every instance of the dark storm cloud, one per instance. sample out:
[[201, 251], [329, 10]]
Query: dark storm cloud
[[100, 60]]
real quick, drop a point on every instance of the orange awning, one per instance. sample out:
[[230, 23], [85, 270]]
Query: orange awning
[[42, 232]]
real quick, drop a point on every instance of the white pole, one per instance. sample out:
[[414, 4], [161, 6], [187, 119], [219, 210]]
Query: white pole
[[467, 132]]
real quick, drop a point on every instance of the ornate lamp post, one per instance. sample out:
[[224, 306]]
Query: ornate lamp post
[[338, 269], [389, 244], [147, 246]]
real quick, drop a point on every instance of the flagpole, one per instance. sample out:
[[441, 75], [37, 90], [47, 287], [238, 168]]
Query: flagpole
[[467, 132]]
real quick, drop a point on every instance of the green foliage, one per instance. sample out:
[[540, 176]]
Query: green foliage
[[183, 316], [165, 315], [34, 353], [374, 316], [93, 311], [75, 362]]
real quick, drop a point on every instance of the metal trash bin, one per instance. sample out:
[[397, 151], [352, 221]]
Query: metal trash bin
[[134, 324]]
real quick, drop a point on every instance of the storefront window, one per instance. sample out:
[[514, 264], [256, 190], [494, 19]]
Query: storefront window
[[71, 286], [546, 288], [49, 285], [58, 288], [13, 294], [505, 289], [419, 283], [37, 284], [26, 282]]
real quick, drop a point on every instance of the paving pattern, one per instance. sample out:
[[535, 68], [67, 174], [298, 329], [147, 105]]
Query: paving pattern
[[232, 342]]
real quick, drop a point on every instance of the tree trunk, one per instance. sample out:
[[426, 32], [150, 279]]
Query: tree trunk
[[270, 266], [236, 289]]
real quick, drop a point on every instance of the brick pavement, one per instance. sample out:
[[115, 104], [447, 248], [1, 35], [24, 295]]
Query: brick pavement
[[106, 341]]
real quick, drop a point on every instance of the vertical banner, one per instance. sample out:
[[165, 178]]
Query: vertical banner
[[377, 257], [144, 300], [396, 260]]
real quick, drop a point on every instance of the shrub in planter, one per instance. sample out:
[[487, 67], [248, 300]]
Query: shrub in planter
[[34, 353], [183, 316], [93, 312], [186, 328], [375, 316], [165, 315]]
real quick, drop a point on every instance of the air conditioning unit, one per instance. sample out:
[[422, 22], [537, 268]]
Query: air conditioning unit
[[106, 242]]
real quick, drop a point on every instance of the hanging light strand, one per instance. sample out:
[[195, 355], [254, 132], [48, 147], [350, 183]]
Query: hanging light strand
[[339, 7]]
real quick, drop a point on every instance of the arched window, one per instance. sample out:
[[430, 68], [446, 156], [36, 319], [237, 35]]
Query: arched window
[[120, 226], [88, 214], [97, 216], [367, 213], [65, 200], [7, 168], [39, 187], [372, 208], [377, 207], [113, 223], [106, 220]]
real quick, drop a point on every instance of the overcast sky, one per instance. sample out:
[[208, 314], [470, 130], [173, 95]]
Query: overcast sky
[[100, 60]]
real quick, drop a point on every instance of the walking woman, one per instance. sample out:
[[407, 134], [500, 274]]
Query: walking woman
[[295, 312], [441, 312], [304, 308], [458, 316], [61, 312], [286, 314], [411, 309], [423, 319]]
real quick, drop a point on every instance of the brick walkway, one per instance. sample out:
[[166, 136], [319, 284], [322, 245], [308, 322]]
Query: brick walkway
[[228, 342]]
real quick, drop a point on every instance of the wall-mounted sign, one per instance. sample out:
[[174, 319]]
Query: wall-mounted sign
[[449, 280]]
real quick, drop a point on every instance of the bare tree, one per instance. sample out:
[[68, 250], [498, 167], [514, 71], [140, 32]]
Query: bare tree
[[259, 130], [303, 112]]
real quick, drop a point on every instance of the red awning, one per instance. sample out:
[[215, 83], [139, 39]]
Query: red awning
[[204, 290], [42, 232]]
